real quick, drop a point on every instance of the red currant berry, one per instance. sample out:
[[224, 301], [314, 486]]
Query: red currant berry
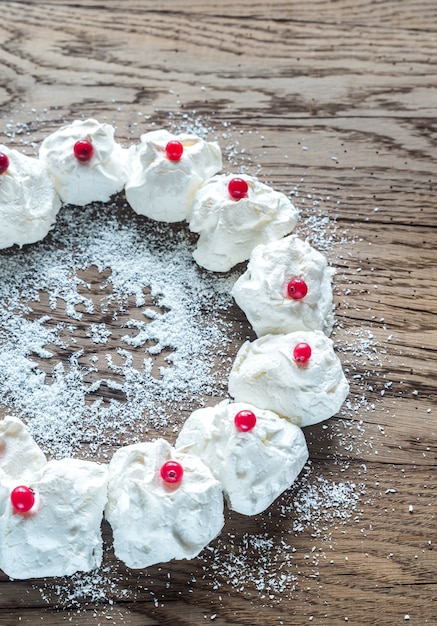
[[83, 150], [22, 499], [297, 289], [174, 150], [4, 162], [302, 353], [238, 188], [245, 420], [172, 472]]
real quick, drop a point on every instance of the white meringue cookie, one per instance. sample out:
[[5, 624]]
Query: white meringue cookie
[[94, 181], [61, 534], [261, 292], [266, 374], [28, 200], [230, 229], [153, 522], [163, 189], [19, 453], [253, 467]]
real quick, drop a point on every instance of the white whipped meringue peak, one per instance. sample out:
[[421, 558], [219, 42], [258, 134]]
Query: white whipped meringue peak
[[60, 535], [153, 521], [266, 373], [253, 467], [19, 453], [230, 229], [262, 291], [83, 182], [28, 200], [161, 188]]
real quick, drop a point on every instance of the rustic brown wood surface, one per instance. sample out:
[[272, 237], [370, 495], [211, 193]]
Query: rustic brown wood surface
[[337, 100]]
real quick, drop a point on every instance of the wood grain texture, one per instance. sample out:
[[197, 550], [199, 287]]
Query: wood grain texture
[[335, 102]]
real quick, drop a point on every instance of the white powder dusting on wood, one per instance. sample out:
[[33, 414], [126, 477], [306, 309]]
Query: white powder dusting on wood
[[61, 406]]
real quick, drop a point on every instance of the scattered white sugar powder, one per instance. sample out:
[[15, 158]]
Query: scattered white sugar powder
[[258, 561], [271, 562], [321, 504], [153, 298], [72, 592]]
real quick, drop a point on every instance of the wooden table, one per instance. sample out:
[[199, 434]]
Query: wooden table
[[336, 103]]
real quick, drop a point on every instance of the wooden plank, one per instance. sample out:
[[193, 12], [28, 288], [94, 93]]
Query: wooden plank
[[335, 104]]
